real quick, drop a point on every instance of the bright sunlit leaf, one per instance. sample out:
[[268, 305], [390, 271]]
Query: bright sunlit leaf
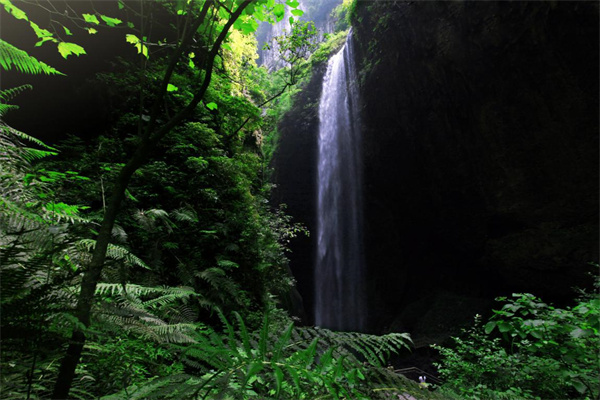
[[110, 21], [279, 11], [90, 18], [65, 49]]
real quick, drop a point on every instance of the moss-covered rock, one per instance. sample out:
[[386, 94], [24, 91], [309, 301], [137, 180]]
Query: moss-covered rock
[[481, 149]]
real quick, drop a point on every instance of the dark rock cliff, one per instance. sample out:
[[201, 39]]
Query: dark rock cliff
[[481, 154], [294, 175]]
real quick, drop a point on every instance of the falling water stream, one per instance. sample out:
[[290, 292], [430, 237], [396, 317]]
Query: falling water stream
[[340, 267]]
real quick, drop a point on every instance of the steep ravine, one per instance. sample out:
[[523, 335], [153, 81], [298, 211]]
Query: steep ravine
[[480, 132]]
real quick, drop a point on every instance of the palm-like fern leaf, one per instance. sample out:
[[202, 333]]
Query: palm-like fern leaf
[[115, 252], [12, 57], [299, 363], [136, 308], [7, 94]]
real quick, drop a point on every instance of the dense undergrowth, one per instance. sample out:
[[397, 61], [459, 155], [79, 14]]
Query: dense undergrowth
[[528, 350], [189, 301]]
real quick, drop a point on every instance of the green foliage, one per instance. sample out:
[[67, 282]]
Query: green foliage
[[329, 47], [57, 24], [542, 352], [197, 215], [12, 57], [342, 15], [279, 361], [66, 49]]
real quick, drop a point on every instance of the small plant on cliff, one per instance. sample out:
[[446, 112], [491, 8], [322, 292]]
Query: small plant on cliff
[[539, 352]]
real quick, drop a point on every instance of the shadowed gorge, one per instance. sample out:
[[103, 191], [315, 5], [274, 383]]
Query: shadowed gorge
[[299, 199]]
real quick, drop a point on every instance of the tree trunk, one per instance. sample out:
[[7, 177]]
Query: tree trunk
[[91, 277]]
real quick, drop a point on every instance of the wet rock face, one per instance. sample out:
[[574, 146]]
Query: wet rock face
[[295, 176], [481, 149]]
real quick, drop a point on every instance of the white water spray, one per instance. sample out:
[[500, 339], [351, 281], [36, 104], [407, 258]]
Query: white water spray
[[340, 268]]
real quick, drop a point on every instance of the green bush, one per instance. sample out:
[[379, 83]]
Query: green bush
[[538, 352]]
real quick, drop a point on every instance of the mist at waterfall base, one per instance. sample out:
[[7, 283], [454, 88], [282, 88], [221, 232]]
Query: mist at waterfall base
[[340, 302]]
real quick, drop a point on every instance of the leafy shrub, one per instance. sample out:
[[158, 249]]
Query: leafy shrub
[[540, 352], [279, 362]]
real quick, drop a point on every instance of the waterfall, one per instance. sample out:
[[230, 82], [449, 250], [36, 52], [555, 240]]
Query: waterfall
[[340, 268]]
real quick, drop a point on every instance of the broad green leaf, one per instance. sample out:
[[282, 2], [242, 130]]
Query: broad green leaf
[[141, 48], [14, 11], [90, 18], [292, 3], [489, 327], [249, 10], [172, 88], [67, 31], [92, 31], [223, 13], [579, 386], [121, 5], [279, 11], [39, 32], [248, 26], [298, 13], [65, 49], [44, 40], [110, 21], [504, 326], [536, 334], [212, 106]]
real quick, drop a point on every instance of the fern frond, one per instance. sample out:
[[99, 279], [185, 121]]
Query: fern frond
[[4, 108], [10, 57], [185, 214], [119, 233], [8, 130], [115, 252], [8, 94], [298, 363], [139, 291], [227, 264]]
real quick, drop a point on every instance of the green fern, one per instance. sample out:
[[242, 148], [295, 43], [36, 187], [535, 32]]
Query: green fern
[[288, 363], [8, 94], [143, 310], [12, 57], [115, 252]]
